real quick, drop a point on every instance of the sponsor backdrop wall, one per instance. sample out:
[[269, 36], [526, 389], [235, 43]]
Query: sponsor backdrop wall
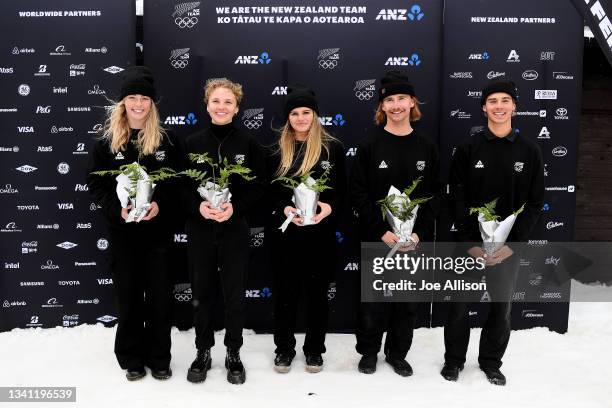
[[59, 62], [538, 45], [338, 50]]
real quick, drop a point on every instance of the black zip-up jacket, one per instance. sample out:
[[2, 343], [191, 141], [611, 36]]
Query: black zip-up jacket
[[104, 188], [238, 147], [485, 167], [383, 160], [280, 196]]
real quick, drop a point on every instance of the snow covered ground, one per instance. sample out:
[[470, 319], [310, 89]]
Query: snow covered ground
[[544, 369]]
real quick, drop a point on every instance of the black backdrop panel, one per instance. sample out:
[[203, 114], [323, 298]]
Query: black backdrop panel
[[536, 44], [339, 51], [59, 62]]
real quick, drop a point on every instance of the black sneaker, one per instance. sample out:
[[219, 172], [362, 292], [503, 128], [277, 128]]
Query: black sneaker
[[136, 373], [314, 363], [163, 374], [367, 364], [200, 366], [450, 372], [282, 362], [235, 370], [400, 366], [494, 375]]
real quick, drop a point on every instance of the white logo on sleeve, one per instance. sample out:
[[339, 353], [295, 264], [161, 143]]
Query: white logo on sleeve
[[518, 166], [160, 155], [326, 165], [239, 158], [420, 165], [119, 156], [479, 165], [383, 165]]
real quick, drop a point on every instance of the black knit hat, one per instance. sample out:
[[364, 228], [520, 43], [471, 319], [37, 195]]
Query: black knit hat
[[393, 83], [504, 85], [137, 80], [298, 96]]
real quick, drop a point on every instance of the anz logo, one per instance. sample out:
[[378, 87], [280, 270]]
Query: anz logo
[[413, 61], [261, 59], [336, 120], [414, 14], [256, 293]]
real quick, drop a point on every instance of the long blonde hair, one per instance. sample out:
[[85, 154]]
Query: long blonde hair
[[317, 140], [117, 130]]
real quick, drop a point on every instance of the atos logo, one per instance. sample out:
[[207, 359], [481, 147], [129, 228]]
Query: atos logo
[[190, 119], [261, 59], [337, 120], [484, 56], [413, 61]]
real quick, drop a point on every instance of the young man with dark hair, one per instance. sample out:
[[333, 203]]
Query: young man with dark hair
[[496, 162]]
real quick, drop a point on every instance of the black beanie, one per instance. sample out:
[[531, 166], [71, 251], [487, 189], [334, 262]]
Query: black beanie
[[499, 85], [393, 83], [298, 96], [137, 80]]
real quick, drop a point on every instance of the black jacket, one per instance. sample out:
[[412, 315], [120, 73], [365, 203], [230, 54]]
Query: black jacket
[[237, 146], [279, 196], [485, 167], [383, 160], [104, 188]]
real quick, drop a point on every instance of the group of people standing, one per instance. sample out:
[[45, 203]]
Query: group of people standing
[[303, 256]]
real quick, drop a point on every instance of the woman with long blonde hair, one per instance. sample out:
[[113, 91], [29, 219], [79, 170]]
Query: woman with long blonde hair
[[303, 258], [133, 133]]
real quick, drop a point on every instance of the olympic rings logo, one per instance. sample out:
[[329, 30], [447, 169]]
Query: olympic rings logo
[[328, 64], [252, 124], [183, 297], [179, 64], [256, 242], [186, 22], [364, 95]]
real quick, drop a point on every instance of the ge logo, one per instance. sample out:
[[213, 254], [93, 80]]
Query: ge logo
[[252, 124], [364, 95], [328, 64], [186, 22], [102, 244], [63, 168], [183, 297], [180, 64]]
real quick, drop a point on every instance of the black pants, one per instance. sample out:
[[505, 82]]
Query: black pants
[[143, 289], [303, 260], [396, 318], [495, 333], [218, 262]]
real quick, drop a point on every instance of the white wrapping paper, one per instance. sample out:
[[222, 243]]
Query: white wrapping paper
[[144, 192], [306, 202], [215, 195]]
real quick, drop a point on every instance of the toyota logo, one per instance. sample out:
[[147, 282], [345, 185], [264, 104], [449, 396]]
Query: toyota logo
[[561, 112]]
